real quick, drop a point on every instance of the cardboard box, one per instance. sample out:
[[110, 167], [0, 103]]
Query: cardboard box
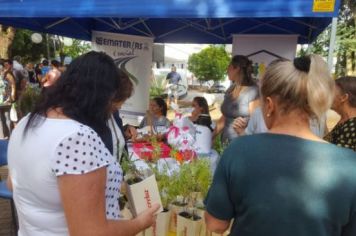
[[143, 195]]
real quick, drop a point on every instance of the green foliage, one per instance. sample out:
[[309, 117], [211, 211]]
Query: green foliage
[[194, 176], [321, 45], [158, 86], [218, 145], [345, 46], [131, 173], [28, 99], [32, 52], [24, 47], [209, 64], [78, 48], [346, 38], [164, 181]]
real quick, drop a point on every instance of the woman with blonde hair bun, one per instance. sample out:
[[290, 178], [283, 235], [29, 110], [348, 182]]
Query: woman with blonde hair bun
[[287, 181]]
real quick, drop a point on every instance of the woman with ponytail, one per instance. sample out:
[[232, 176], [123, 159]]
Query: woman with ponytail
[[287, 181], [239, 98]]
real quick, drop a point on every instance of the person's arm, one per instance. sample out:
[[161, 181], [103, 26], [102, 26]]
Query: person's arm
[[219, 126], [240, 124], [83, 199], [12, 83], [9, 183], [130, 132], [215, 225], [253, 105]]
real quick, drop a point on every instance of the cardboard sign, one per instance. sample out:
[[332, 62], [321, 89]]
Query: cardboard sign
[[143, 195]]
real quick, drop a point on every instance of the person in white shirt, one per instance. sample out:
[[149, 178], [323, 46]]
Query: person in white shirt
[[65, 181]]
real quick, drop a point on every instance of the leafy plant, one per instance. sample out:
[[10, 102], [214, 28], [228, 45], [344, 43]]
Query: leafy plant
[[158, 87], [164, 180], [219, 145], [28, 99], [131, 173]]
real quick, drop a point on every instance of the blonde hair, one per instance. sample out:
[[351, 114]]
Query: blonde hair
[[304, 84]]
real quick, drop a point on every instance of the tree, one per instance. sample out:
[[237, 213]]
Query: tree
[[7, 35], [23, 46], [345, 46], [209, 64], [78, 48], [346, 38]]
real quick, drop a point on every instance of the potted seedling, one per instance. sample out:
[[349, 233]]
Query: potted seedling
[[190, 221], [164, 180], [141, 186]]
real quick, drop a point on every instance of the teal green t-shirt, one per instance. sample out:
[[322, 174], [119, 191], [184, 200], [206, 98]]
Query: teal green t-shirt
[[281, 185]]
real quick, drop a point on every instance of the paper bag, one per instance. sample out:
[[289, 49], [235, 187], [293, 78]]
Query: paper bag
[[143, 195], [189, 227], [160, 228], [175, 210]]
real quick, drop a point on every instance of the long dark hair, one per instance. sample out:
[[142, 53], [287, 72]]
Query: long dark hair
[[202, 103], [162, 105], [246, 67], [85, 92]]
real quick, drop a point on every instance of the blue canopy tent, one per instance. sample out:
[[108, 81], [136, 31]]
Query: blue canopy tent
[[172, 21]]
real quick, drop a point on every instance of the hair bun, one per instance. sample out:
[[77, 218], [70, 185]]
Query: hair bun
[[302, 63]]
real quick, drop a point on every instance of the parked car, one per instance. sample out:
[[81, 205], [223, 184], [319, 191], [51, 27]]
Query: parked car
[[217, 88]]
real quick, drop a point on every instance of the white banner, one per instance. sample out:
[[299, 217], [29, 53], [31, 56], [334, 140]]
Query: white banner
[[263, 49], [132, 54]]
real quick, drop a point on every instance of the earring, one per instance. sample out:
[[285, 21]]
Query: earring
[[268, 115]]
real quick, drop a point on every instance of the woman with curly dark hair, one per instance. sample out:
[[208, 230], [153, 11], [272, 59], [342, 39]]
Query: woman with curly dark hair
[[344, 133], [65, 180]]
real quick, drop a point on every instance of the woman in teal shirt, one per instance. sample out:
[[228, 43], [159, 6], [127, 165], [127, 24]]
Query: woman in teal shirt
[[287, 181]]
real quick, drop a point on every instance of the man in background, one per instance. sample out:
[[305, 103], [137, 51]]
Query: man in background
[[173, 79]]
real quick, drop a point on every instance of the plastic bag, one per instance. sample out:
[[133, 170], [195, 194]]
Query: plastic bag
[[13, 113]]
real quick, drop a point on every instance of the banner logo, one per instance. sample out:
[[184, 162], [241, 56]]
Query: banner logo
[[132, 45]]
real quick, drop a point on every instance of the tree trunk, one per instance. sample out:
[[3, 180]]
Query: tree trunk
[[7, 35]]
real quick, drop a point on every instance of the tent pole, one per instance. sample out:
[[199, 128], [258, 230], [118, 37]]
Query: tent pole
[[332, 43], [47, 46]]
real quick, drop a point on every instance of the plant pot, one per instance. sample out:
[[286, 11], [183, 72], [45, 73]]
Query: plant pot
[[143, 195], [175, 209], [189, 225]]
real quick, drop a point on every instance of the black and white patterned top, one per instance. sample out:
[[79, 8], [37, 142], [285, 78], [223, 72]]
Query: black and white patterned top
[[83, 152], [56, 147]]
